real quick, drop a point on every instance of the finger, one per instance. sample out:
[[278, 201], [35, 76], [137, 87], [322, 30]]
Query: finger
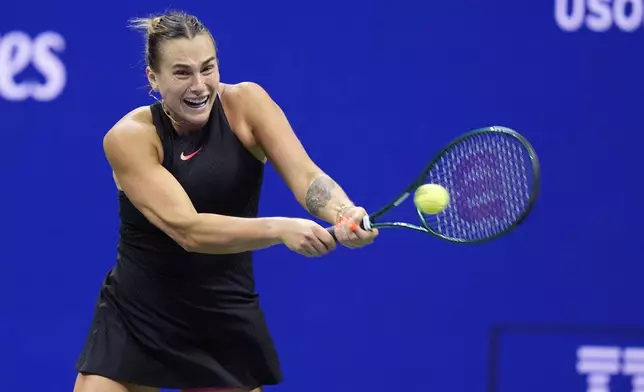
[[351, 243], [345, 234], [325, 238], [346, 223], [307, 249], [355, 232], [306, 252], [360, 238], [366, 234], [363, 235], [357, 214], [318, 246]]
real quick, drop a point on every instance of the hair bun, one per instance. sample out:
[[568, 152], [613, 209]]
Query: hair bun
[[154, 23]]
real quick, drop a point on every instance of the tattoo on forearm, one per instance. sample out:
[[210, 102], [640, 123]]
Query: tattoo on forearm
[[319, 194]]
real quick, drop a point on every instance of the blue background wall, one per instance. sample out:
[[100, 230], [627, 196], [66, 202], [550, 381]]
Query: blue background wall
[[396, 78]]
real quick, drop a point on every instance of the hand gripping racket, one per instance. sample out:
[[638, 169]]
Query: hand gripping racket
[[492, 176]]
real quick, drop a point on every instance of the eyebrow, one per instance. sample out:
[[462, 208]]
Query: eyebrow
[[182, 65]]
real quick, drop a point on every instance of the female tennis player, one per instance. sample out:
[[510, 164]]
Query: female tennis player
[[179, 308]]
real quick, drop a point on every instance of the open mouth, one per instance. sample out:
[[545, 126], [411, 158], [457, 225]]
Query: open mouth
[[196, 103]]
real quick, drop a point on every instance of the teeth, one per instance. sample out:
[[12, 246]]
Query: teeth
[[195, 102]]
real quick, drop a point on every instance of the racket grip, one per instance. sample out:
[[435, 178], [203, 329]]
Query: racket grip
[[364, 225]]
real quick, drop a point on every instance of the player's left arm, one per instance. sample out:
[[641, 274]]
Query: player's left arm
[[316, 191]]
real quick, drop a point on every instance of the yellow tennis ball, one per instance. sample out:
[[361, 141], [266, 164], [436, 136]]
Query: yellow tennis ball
[[431, 198]]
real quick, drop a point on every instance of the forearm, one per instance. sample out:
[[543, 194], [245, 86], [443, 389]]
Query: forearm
[[219, 234], [325, 199]]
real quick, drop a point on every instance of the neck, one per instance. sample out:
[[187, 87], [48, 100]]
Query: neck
[[181, 127]]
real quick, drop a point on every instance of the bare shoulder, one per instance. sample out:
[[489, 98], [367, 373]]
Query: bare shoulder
[[248, 99], [244, 92], [134, 132], [135, 124], [243, 103]]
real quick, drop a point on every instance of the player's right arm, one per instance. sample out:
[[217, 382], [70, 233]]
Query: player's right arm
[[132, 149]]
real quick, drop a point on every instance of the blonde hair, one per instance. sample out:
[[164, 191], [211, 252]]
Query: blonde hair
[[165, 27]]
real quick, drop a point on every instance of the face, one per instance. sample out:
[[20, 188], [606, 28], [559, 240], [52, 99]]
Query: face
[[187, 79]]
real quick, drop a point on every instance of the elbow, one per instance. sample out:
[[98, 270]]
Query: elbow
[[188, 243], [184, 238], [195, 243], [184, 232]]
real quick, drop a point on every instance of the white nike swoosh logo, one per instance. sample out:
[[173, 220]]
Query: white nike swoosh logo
[[186, 157]]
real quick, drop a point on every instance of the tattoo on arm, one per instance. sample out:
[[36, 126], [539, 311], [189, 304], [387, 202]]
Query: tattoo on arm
[[319, 194]]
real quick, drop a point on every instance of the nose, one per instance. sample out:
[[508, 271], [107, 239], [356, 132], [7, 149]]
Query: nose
[[198, 83]]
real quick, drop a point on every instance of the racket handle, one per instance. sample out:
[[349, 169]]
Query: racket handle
[[364, 225]]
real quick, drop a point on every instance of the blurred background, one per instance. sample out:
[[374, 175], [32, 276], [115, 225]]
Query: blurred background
[[374, 88]]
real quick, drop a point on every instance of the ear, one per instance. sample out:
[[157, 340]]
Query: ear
[[152, 79]]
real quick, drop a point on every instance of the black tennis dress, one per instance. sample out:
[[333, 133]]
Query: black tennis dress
[[172, 319]]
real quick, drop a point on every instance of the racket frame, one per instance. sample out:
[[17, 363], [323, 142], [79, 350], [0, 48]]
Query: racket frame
[[372, 220]]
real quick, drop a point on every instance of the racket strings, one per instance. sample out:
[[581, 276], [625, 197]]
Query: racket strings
[[488, 177]]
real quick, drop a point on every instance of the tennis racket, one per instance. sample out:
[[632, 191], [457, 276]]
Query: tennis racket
[[492, 176]]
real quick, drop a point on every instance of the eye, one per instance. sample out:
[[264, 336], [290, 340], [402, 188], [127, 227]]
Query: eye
[[181, 73], [209, 68]]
